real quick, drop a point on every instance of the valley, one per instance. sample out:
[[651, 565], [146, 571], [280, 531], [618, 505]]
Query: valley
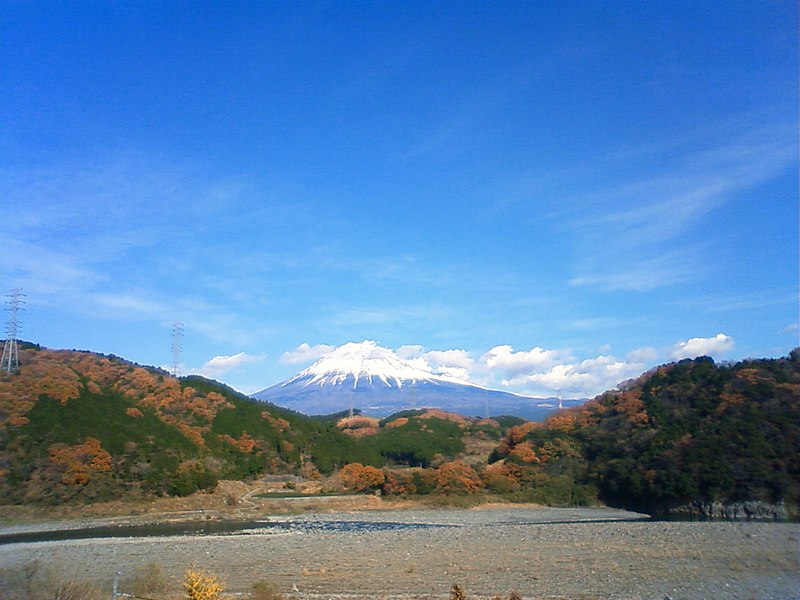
[[355, 506], [80, 429]]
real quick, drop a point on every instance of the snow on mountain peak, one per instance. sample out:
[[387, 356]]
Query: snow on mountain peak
[[366, 362]]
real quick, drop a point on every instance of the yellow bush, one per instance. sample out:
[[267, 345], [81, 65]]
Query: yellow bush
[[201, 586]]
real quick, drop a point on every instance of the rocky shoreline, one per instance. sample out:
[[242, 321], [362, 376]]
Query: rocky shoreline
[[750, 509], [541, 553]]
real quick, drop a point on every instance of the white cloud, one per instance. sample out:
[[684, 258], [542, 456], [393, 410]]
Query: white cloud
[[450, 358], [586, 378], [542, 372], [306, 353], [538, 371], [223, 364], [453, 363], [506, 359], [713, 346], [457, 373]]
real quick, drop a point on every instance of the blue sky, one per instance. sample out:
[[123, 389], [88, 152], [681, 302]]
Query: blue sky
[[532, 195]]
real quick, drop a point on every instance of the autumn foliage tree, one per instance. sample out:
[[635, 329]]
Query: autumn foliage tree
[[358, 477], [457, 478], [81, 461]]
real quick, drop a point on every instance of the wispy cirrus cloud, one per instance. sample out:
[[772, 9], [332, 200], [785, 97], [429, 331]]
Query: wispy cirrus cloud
[[751, 301], [641, 235], [640, 275], [110, 237], [354, 317]]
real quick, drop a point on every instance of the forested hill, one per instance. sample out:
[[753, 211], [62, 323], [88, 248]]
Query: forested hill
[[83, 427], [692, 433], [79, 425]]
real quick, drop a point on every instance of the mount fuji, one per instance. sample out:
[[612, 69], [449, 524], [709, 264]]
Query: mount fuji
[[375, 380]]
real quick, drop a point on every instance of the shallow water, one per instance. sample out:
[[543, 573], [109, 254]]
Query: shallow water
[[310, 524], [211, 528]]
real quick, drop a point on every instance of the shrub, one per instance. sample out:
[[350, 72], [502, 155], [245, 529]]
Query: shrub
[[397, 483], [76, 590], [33, 582], [423, 480], [149, 580], [263, 590], [199, 585], [456, 593]]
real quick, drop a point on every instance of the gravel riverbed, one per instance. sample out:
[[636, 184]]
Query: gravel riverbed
[[542, 553]]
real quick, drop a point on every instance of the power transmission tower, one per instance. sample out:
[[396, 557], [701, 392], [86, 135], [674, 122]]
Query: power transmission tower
[[177, 346], [10, 360]]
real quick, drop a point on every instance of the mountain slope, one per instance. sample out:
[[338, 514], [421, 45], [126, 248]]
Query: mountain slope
[[81, 426], [374, 379]]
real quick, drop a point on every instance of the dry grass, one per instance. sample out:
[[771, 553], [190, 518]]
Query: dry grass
[[456, 593], [33, 582], [150, 581], [263, 590]]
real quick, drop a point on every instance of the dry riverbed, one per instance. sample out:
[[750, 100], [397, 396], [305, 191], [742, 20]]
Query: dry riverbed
[[419, 553]]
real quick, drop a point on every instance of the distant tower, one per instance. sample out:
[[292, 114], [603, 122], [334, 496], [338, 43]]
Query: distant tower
[[177, 346], [10, 360], [560, 404]]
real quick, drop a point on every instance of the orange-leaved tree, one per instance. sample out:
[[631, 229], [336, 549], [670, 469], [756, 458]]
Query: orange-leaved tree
[[457, 478], [81, 460], [358, 477]]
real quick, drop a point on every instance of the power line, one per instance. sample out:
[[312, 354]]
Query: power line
[[10, 359], [177, 347]]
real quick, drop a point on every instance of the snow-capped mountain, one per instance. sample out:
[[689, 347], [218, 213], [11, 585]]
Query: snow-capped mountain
[[375, 380], [365, 364]]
